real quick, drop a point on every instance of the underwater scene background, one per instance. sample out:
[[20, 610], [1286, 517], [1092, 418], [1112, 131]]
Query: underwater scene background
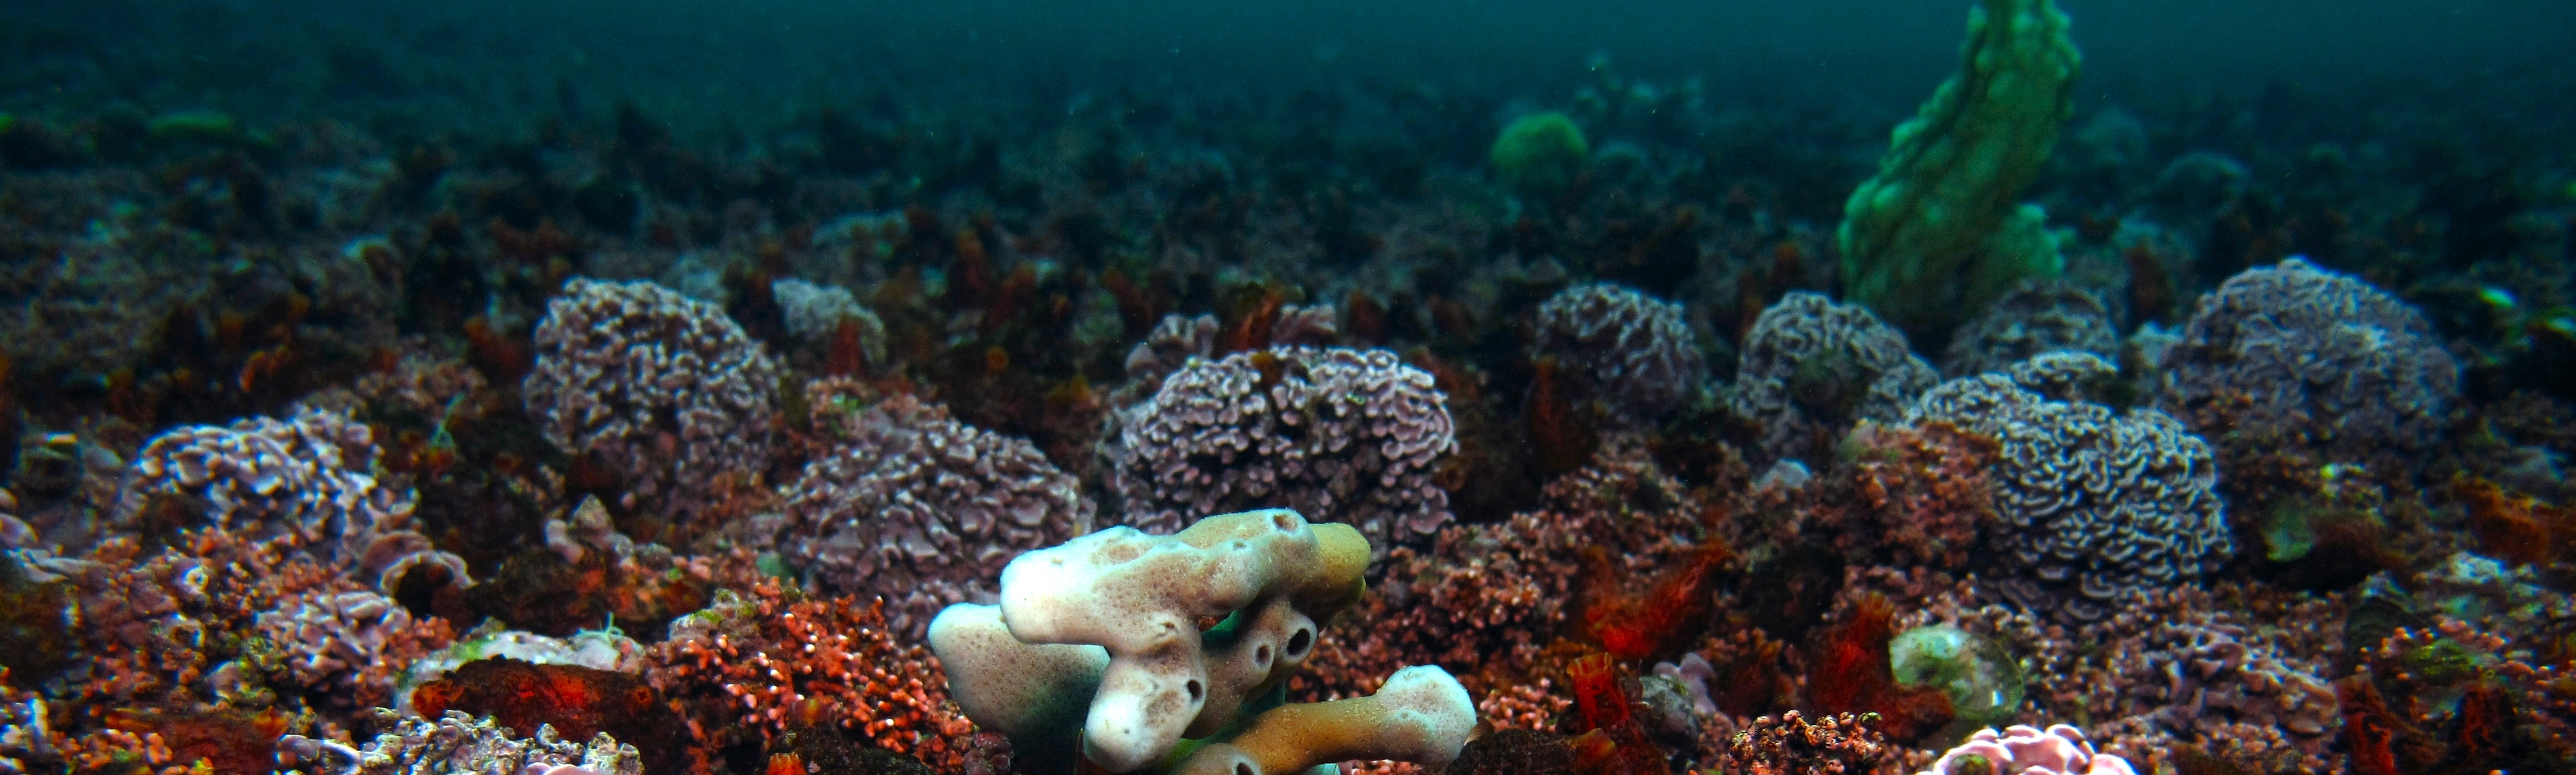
[[1483, 388]]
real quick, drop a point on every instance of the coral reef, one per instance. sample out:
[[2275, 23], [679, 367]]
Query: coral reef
[[1114, 620], [2178, 672], [1347, 435], [665, 391], [2095, 503], [1638, 350], [818, 314], [587, 574], [1983, 681], [670, 378], [1509, 751], [924, 511], [1898, 495], [351, 645], [1812, 368]]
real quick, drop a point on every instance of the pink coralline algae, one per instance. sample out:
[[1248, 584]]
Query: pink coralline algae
[[1638, 350], [2094, 502], [663, 390], [1338, 434], [216, 622], [1812, 368], [754, 666], [1485, 600], [2326, 362], [2023, 750], [1902, 495], [924, 510]]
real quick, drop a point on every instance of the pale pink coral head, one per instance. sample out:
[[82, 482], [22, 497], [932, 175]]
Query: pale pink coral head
[[2024, 750]]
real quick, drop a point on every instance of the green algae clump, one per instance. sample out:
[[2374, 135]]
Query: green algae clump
[[1540, 154], [1983, 682]]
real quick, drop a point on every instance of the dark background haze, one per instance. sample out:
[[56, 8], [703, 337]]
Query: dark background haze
[[704, 63]]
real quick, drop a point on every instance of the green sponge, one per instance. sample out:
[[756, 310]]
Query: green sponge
[[1983, 682], [1540, 155], [1938, 232]]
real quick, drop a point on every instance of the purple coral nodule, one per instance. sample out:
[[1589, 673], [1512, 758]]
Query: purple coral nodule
[[1344, 435], [1638, 349], [2323, 357], [663, 389], [925, 510]]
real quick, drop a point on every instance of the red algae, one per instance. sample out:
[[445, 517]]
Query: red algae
[[1849, 672]]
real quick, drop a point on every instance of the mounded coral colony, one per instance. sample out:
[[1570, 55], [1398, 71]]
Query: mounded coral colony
[[1587, 424]]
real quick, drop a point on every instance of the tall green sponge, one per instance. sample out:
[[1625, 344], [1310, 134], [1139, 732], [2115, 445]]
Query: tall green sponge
[[1938, 232]]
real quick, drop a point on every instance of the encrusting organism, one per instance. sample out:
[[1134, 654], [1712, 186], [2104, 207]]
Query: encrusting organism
[[457, 744]]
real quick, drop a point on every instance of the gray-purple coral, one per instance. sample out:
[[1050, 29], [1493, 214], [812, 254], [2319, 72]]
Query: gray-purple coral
[[458, 744], [2212, 680], [308, 480], [663, 389], [924, 510], [1637, 349], [2095, 503], [1338, 434], [1813, 368], [341, 640], [815, 313], [2034, 319], [2325, 360]]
